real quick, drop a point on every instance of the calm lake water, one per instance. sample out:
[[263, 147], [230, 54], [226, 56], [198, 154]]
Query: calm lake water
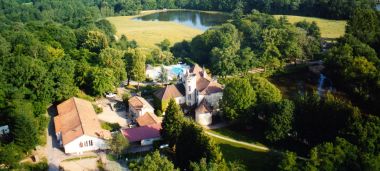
[[195, 19]]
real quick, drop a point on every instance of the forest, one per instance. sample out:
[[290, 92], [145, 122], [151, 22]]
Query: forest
[[334, 9], [52, 50], [339, 133]]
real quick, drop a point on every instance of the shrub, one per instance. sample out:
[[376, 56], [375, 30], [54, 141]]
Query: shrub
[[110, 126], [159, 113], [97, 109]]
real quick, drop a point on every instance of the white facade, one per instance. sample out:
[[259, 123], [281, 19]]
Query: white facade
[[148, 141], [180, 100], [138, 113], [190, 87], [203, 118], [85, 143]]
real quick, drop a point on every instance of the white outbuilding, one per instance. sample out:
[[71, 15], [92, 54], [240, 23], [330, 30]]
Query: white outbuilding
[[77, 127]]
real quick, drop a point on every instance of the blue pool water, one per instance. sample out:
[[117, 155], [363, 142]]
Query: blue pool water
[[177, 70]]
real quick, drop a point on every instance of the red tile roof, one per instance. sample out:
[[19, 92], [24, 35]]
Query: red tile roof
[[142, 133]]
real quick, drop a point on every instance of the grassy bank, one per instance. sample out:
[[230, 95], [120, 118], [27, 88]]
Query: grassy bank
[[148, 33], [329, 28], [252, 158]]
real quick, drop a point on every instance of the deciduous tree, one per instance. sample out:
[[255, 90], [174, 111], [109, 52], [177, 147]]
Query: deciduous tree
[[118, 144], [280, 120], [155, 162], [238, 96]]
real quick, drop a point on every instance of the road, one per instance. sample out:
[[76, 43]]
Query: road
[[238, 142]]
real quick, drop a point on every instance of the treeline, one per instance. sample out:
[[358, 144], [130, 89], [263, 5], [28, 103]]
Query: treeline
[[255, 40], [353, 63], [335, 9], [340, 135], [337, 134], [49, 52]]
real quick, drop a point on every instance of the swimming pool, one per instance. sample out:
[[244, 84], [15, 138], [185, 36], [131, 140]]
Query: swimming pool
[[177, 70], [173, 71]]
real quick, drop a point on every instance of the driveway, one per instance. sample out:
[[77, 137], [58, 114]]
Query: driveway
[[112, 116], [53, 153], [89, 164]]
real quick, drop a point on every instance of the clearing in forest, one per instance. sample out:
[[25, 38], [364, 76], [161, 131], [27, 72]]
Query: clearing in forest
[[329, 28], [149, 33]]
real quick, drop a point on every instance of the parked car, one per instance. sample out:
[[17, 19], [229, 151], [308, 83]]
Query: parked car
[[110, 95]]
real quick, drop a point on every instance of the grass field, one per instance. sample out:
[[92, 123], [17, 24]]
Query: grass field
[[234, 135], [329, 28], [252, 158], [148, 33]]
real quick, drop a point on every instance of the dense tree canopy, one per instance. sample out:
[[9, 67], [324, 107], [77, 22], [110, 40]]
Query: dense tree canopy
[[202, 146], [254, 40], [155, 162], [280, 120], [238, 97]]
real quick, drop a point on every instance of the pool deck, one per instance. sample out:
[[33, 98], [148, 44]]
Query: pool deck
[[173, 71]]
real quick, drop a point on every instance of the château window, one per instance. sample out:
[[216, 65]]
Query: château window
[[81, 144], [91, 144]]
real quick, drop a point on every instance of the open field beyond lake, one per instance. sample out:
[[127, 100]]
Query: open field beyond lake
[[329, 28], [148, 33]]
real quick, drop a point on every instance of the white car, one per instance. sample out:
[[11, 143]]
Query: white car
[[110, 95]]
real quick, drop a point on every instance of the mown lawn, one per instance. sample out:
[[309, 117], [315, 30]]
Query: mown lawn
[[329, 28], [149, 33], [252, 158], [227, 132]]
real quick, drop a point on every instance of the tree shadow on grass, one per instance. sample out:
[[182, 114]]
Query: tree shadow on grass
[[253, 160]]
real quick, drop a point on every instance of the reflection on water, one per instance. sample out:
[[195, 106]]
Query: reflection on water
[[196, 19]]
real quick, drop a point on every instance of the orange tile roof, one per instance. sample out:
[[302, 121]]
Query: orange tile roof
[[77, 117], [203, 108], [212, 87], [136, 102], [167, 93], [202, 83], [147, 119], [198, 71]]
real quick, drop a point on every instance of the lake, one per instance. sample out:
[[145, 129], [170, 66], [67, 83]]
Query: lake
[[378, 7], [196, 19]]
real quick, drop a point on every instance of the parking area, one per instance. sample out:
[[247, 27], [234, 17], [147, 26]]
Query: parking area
[[112, 114]]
